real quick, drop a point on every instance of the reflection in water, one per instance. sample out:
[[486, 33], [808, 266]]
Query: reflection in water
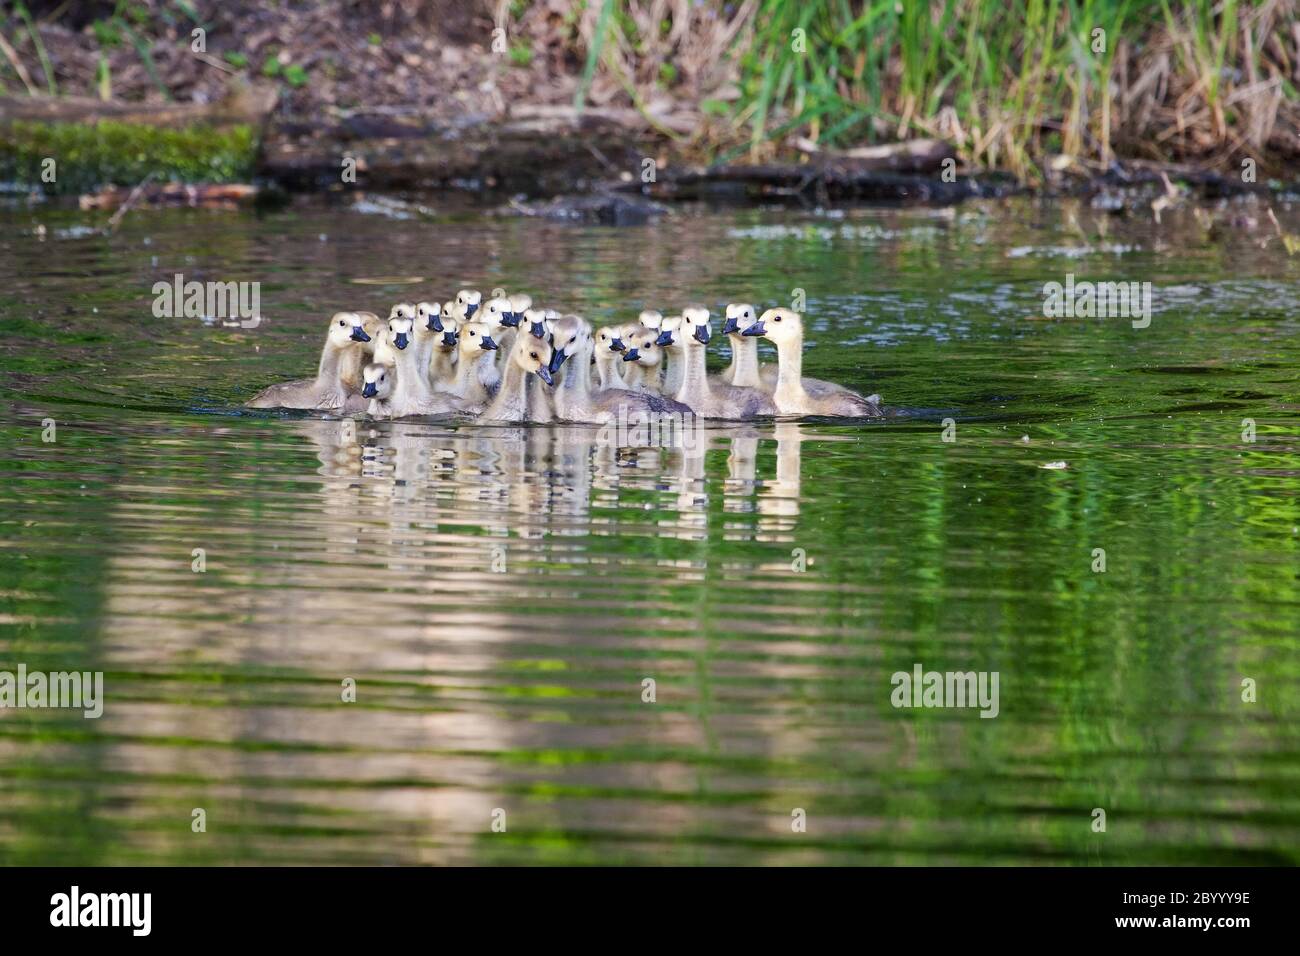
[[535, 482], [412, 567], [500, 595]]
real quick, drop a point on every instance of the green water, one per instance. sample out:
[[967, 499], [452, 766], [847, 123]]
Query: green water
[[499, 595]]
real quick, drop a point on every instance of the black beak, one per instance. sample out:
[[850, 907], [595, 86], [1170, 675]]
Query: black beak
[[632, 354], [488, 344], [557, 359], [448, 338], [730, 326], [470, 309], [665, 338], [538, 329], [755, 329], [435, 323], [510, 319], [359, 334], [545, 375], [368, 390], [617, 345], [702, 334], [400, 340]]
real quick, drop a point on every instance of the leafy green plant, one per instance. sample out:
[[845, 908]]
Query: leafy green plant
[[521, 54]]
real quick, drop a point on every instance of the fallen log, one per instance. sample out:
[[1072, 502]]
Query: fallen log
[[245, 105], [539, 150], [910, 156], [206, 195]]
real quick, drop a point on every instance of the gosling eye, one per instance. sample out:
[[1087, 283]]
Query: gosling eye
[[472, 333], [533, 354], [341, 323], [777, 319]]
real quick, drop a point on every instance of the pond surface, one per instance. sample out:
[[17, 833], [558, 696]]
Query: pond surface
[[500, 595]]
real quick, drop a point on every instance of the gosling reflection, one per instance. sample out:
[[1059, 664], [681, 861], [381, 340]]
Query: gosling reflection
[[778, 499], [740, 486], [689, 481], [413, 525], [534, 482]]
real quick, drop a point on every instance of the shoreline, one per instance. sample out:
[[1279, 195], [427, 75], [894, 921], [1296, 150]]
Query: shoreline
[[599, 164], [595, 165]]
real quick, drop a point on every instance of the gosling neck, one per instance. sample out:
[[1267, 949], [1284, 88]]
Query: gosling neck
[[673, 375], [514, 387], [442, 363], [576, 381], [467, 368], [652, 376], [350, 361], [423, 345], [507, 337], [744, 360], [574, 390], [694, 390], [789, 378], [609, 372], [411, 385], [634, 375], [330, 359]]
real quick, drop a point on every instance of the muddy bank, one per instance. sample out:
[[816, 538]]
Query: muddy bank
[[603, 165], [541, 152]]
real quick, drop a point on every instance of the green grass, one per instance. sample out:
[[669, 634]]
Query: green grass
[[1008, 81], [123, 154]]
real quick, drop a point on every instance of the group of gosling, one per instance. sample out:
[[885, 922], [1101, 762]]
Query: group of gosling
[[442, 358]]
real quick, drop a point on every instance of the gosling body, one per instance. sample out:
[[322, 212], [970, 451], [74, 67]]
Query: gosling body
[[477, 378], [792, 396], [529, 359], [575, 399], [328, 390], [707, 399]]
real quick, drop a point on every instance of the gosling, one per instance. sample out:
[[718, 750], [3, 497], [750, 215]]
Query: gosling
[[784, 329], [327, 391]]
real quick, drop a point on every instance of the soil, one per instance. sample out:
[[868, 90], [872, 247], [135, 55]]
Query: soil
[[432, 58]]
